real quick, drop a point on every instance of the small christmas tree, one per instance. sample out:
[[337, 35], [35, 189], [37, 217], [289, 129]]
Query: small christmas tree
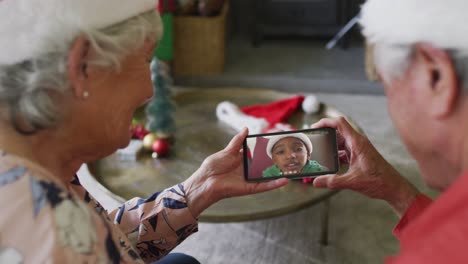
[[160, 109]]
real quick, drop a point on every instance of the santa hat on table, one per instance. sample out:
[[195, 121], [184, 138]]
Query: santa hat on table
[[29, 28], [271, 117]]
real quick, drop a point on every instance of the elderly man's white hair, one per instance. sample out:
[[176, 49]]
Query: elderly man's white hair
[[394, 26]]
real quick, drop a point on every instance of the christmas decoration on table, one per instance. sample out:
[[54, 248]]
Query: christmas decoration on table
[[161, 147], [148, 141], [230, 114], [138, 133], [267, 118], [153, 128], [138, 130], [159, 112]]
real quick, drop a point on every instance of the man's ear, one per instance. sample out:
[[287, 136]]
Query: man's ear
[[441, 78], [77, 67]]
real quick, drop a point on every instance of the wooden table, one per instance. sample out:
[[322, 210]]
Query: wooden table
[[200, 134]]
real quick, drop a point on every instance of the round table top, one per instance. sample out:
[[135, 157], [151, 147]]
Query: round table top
[[198, 135]]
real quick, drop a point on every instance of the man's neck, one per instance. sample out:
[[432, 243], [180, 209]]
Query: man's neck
[[455, 147]]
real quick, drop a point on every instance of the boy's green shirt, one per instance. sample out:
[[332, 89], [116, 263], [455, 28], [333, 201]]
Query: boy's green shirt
[[310, 167]]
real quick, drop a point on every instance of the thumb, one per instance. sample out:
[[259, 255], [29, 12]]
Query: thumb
[[236, 142], [328, 181]]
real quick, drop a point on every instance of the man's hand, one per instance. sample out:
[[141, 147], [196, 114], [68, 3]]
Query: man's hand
[[369, 173], [221, 176]]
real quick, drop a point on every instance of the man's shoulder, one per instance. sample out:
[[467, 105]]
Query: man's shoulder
[[440, 232], [449, 207]]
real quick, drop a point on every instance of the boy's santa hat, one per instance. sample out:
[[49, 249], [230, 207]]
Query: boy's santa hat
[[33, 27], [271, 117], [272, 140]]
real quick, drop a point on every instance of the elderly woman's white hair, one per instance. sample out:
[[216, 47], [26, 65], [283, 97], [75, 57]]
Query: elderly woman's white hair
[[395, 26], [36, 37]]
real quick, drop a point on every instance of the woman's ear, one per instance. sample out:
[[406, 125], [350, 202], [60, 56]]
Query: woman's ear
[[77, 67], [441, 78]]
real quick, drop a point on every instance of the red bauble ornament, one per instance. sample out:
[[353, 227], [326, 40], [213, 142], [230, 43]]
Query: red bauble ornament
[[138, 131], [161, 147]]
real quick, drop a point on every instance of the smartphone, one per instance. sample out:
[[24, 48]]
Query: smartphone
[[291, 154]]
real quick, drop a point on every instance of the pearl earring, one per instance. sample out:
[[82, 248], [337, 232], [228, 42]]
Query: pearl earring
[[85, 94]]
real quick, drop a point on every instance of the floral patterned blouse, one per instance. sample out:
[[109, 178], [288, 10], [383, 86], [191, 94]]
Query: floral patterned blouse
[[43, 220]]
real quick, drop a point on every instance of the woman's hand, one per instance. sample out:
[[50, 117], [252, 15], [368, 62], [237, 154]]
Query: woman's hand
[[220, 176], [369, 173]]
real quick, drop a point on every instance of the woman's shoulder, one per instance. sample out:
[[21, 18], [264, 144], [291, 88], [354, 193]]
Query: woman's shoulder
[[27, 219], [40, 217], [22, 167], [26, 185], [26, 190]]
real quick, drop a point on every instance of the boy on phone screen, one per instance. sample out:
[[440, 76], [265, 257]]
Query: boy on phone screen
[[291, 156]]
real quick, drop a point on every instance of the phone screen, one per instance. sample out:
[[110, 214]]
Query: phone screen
[[291, 154]]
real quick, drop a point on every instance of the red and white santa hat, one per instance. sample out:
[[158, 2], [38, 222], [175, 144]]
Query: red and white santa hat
[[31, 27], [265, 118]]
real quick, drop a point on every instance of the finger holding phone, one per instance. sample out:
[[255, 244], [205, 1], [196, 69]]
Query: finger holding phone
[[369, 173], [220, 176]]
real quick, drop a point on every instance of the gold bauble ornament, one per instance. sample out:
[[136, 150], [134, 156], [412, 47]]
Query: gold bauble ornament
[[148, 141]]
